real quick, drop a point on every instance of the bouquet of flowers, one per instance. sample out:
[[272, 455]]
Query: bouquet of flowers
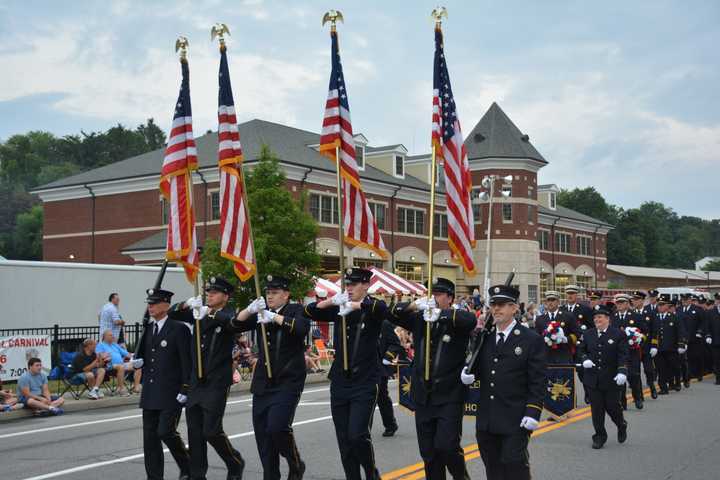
[[635, 337], [554, 335]]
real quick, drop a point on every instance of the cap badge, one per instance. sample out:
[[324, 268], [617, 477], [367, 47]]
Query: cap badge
[[269, 278], [348, 271], [518, 351], [516, 332], [212, 279], [163, 343], [583, 327], [151, 291], [497, 290]]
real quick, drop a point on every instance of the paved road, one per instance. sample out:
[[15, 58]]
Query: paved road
[[673, 437]]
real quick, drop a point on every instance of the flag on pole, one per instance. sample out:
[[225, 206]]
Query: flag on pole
[[448, 142], [235, 241], [358, 220], [176, 183]]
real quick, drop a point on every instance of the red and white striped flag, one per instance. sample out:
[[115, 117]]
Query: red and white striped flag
[[358, 220], [235, 241], [176, 183], [448, 142]]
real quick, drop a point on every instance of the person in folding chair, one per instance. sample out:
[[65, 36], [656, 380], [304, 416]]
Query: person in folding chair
[[87, 369], [163, 357]]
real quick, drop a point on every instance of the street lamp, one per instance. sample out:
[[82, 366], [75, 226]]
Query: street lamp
[[487, 195]]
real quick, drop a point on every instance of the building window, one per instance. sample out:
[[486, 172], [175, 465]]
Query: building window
[[399, 166], [531, 192], [531, 214], [475, 201], [507, 191], [583, 245], [378, 211], [440, 226], [323, 208], [583, 281], [360, 157], [164, 211], [562, 281], [552, 201], [507, 212], [440, 176], [410, 271], [367, 263], [544, 284], [329, 265], [411, 221], [544, 239], [562, 242], [215, 206], [533, 294]]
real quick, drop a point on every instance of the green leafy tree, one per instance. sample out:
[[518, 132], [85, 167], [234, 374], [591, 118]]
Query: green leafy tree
[[712, 266], [589, 202], [27, 237], [284, 234]]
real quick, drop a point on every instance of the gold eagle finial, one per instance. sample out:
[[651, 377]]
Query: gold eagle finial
[[438, 13], [332, 16], [181, 45], [219, 30]]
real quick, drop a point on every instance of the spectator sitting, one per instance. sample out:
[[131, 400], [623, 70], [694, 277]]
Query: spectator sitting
[[33, 390], [243, 354], [117, 359], [312, 361], [8, 400], [88, 368], [110, 318]]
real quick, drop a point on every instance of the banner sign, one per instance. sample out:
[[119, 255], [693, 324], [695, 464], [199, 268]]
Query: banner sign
[[406, 401], [560, 396], [16, 350]]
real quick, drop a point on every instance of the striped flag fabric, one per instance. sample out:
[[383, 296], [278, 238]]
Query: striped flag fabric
[[176, 183], [448, 142], [358, 221], [235, 242]]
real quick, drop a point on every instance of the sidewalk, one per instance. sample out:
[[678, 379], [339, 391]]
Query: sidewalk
[[85, 404]]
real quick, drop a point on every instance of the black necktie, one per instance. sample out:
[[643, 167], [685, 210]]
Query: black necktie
[[155, 329], [501, 340]]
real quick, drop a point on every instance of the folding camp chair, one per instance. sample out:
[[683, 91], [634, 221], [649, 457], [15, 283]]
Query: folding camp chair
[[68, 383], [328, 354]]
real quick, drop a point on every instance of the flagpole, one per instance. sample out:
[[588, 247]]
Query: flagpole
[[220, 30]]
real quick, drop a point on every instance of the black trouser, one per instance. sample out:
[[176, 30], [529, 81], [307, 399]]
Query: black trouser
[[505, 457], [696, 359], [668, 365], [160, 426], [439, 429], [634, 378], [384, 403], [352, 408], [205, 426], [602, 402], [273, 415], [716, 361], [683, 375], [648, 363]]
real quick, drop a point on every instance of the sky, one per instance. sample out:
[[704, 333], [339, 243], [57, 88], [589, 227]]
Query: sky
[[622, 96]]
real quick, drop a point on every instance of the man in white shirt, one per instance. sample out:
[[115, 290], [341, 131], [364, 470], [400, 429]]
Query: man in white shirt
[[110, 318]]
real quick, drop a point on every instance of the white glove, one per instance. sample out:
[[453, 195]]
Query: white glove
[[529, 423], [266, 316], [340, 299], [321, 292], [385, 361], [682, 350], [466, 378], [561, 338], [698, 335], [137, 363], [431, 315], [620, 379], [421, 304], [588, 364], [653, 351], [181, 399], [345, 309], [256, 305], [200, 312], [194, 302], [708, 340]]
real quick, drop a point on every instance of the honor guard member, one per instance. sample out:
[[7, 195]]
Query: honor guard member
[[439, 402], [604, 355], [511, 370], [696, 338], [211, 378], [631, 324], [646, 315], [688, 315], [355, 372], [275, 399], [166, 379], [595, 297], [651, 307], [391, 352], [582, 313], [668, 343], [563, 351], [712, 337]]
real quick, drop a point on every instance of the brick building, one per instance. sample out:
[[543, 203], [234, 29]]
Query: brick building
[[115, 214]]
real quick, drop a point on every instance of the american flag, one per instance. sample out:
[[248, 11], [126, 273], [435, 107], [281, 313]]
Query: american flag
[[235, 241], [448, 142], [176, 183], [358, 221]]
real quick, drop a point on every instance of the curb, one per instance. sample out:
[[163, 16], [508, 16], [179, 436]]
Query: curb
[[83, 405]]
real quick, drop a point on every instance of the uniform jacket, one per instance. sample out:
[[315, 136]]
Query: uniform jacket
[[286, 346], [568, 324], [363, 330], [583, 315], [167, 365], [668, 332], [609, 353], [449, 337], [712, 325], [694, 319], [389, 348], [512, 380]]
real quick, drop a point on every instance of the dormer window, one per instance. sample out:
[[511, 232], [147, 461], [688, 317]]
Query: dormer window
[[553, 205], [360, 156], [399, 166]]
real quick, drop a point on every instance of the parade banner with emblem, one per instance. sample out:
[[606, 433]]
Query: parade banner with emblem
[[16, 350], [405, 399], [560, 396]]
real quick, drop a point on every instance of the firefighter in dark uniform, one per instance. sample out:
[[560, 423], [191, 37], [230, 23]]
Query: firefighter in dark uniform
[[651, 307], [696, 338], [564, 350], [210, 384], [275, 399], [439, 402], [355, 371], [163, 351], [712, 337], [583, 319], [689, 316], [646, 314], [391, 352], [511, 369], [668, 342], [628, 322], [604, 356]]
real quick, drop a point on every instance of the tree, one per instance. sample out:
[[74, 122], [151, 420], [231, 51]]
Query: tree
[[27, 237], [589, 202], [712, 266], [153, 135], [284, 234]]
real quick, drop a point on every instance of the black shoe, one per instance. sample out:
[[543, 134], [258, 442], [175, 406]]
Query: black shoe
[[699, 379], [653, 392], [663, 391], [390, 431], [598, 442], [678, 387], [239, 474], [297, 474], [587, 399], [687, 384], [622, 433], [639, 404]]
